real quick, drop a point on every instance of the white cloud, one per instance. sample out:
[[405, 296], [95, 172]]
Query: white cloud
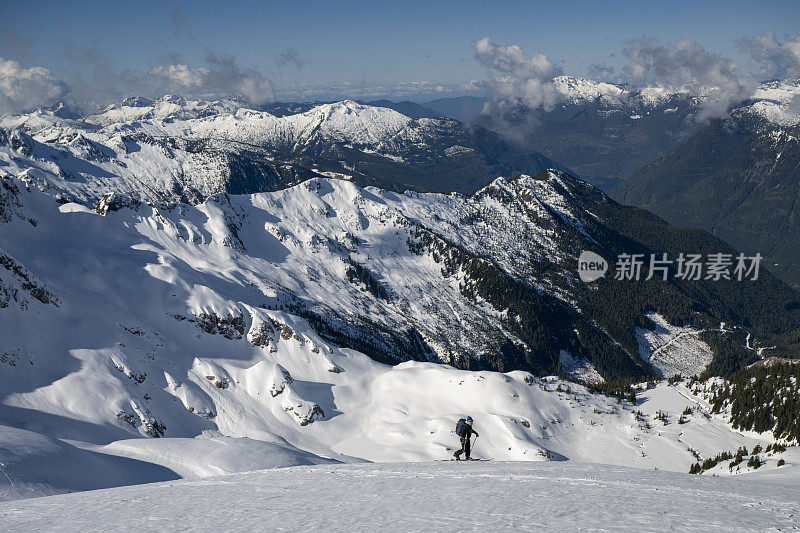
[[291, 57], [512, 60], [22, 89], [516, 77], [687, 66], [603, 72], [181, 75], [374, 91], [775, 59], [470, 86], [220, 75]]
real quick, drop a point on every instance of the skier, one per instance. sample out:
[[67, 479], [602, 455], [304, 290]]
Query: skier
[[464, 431]]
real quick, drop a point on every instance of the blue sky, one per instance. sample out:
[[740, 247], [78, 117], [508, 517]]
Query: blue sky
[[362, 44]]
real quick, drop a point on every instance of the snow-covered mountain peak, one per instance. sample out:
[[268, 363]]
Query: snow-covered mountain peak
[[173, 149], [350, 121], [580, 90], [653, 96], [778, 90], [34, 121], [168, 106], [339, 118], [343, 106], [778, 102]]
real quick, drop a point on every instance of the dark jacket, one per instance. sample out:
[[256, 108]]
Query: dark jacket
[[467, 432]]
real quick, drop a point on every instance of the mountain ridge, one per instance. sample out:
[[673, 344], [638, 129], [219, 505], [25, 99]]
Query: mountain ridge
[[169, 158], [524, 303]]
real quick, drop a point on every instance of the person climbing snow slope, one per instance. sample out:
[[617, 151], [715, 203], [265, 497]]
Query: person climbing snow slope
[[464, 431]]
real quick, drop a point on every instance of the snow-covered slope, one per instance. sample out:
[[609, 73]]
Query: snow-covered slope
[[427, 497], [430, 277], [396, 276], [34, 465], [205, 323]]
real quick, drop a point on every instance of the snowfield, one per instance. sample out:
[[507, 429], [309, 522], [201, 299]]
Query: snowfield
[[427, 497]]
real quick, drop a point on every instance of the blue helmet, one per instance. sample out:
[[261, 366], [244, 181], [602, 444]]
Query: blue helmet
[[469, 419]]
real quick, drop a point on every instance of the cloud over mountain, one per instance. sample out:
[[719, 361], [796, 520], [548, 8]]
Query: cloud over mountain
[[776, 59], [517, 78], [221, 74], [602, 72], [687, 66], [24, 88]]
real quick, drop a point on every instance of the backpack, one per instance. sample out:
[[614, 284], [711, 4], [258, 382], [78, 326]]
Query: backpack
[[460, 426]]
